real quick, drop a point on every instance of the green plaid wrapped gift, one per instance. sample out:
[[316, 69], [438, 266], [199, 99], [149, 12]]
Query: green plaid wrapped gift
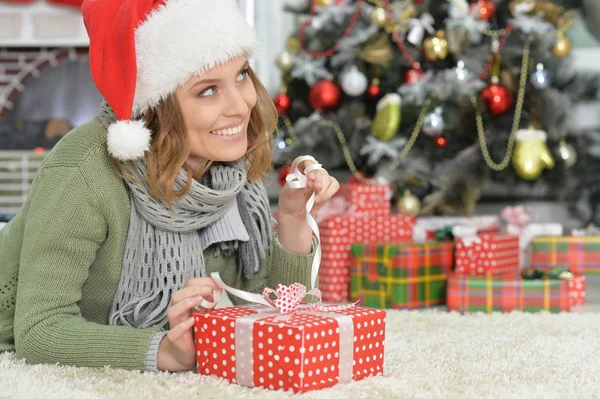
[[581, 255], [400, 275]]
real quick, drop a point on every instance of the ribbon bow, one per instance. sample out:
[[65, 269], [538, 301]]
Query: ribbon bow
[[468, 234], [516, 217], [556, 273], [289, 299], [418, 26]]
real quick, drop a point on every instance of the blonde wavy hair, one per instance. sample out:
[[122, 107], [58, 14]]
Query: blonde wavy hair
[[170, 148]]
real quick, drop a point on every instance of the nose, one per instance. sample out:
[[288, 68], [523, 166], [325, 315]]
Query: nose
[[235, 103]]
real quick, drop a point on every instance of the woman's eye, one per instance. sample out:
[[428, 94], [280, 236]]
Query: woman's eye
[[209, 91], [243, 75]]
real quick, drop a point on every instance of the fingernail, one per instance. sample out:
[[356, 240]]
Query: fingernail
[[198, 299], [191, 320]]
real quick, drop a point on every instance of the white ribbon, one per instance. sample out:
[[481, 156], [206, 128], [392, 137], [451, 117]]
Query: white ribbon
[[294, 180], [468, 234], [418, 26]]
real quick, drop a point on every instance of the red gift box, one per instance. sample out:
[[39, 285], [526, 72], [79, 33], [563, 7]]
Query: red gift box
[[489, 254], [303, 351], [339, 233], [366, 199]]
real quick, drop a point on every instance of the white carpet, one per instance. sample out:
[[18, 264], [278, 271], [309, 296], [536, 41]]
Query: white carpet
[[430, 354]]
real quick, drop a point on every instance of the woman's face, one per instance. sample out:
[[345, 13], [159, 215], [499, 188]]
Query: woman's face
[[216, 110]]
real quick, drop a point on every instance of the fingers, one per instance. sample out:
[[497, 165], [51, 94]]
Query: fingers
[[330, 187], [178, 330], [192, 291], [202, 281], [318, 179], [183, 309]]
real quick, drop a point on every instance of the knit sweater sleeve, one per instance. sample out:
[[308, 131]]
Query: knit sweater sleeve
[[65, 228]]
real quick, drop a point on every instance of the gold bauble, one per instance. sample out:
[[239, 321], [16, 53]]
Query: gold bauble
[[562, 47], [378, 17], [322, 2], [436, 48], [293, 45], [285, 62], [408, 204], [377, 51], [531, 155]]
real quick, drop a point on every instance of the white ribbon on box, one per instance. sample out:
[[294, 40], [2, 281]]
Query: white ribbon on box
[[425, 224], [467, 234]]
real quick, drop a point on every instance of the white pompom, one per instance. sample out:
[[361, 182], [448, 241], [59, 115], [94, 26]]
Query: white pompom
[[128, 140]]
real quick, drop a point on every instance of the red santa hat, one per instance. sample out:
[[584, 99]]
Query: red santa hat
[[142, 50]]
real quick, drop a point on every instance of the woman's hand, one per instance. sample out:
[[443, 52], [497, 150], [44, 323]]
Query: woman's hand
[[177, 351], [292, 201]]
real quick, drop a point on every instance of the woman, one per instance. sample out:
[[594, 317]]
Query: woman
[[130, 212]]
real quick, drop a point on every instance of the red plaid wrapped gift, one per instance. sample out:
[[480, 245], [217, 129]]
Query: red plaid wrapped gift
[[303, 351], [339, 233], [487, 254], [509, 292], [581, 255]]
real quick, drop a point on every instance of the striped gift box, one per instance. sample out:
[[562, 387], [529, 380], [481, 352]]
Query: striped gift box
[[509, 292], [493, 254], [400, 275], [581, 255]]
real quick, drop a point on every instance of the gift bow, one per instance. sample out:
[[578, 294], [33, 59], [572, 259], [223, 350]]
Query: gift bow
[[418, 26], [516, 216], [288, 299], [468, 234]]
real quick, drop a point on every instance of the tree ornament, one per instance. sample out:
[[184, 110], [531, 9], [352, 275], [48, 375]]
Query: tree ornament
[[377, 50], [567, 153], [354, 82], [539, 79], [433, 124], [282, 103], [531, 155], [323, 3], [562, 46], [378, 17], [408, 204], [497, 98], [285, 62], [293, 45], [441, 141], [325, 96], [282, 174], [387, 117], [413, 75], [374, 90], [487, 9], [436, 48]]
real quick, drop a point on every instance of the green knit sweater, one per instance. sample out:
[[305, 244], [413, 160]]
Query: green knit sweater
[[61, 259]]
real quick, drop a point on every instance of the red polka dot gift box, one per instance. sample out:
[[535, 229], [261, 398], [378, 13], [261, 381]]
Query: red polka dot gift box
[[339, 233], [368, 199], [487, 254], [255, 346]]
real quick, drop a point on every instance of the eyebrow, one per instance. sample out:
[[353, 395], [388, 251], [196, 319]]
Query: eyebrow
[[212, 81]]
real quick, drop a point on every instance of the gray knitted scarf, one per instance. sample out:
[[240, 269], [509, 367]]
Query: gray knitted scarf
[[165, 248]]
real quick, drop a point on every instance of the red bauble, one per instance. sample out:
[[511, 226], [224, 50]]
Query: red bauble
[[497, 98], [441, 141], [374, 90], [282, 174], [487, 9], [282, 102], [325, 96], [413, 75]]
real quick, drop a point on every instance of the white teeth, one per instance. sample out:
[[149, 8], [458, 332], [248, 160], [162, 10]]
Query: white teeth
[[228, 132]]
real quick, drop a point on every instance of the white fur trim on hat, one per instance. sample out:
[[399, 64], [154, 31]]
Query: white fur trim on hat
[[183, 38], [128, 140]]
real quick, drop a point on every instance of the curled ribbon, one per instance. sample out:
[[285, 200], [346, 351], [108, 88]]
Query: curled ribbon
[[468, 234], [288, 299], [418, 26]]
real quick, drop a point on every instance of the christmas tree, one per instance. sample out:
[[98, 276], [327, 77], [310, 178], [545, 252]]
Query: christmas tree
[[442, 99]]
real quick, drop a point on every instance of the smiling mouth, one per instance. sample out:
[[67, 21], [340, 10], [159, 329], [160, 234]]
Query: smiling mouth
[[228, 132]]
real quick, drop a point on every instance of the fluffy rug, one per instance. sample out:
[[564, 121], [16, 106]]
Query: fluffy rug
[[430, 354]]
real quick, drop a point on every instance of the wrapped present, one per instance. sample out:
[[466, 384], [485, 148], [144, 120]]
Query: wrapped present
[[366, 199], [426, 228], [485, 253], [581, 255], [337, 235], [509, 292], [402, 275], [304, 351]]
